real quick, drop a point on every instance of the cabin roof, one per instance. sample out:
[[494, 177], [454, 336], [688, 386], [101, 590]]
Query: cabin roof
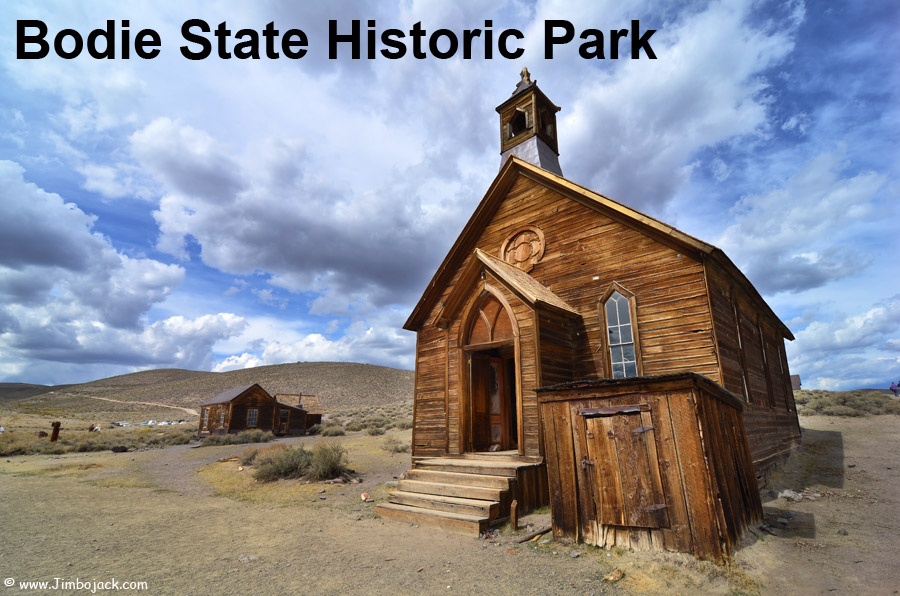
[[514, 167], [311, 404], [228, 395], [292, 397]]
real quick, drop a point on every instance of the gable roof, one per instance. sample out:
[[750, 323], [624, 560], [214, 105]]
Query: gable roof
[[515, 167], [229, 394], [529, 290]]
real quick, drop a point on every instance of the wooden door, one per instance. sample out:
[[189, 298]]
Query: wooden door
[[284, 418], [490, 403], [622, 458]]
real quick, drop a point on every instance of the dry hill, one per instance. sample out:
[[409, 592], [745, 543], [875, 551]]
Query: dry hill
[[339, 385]]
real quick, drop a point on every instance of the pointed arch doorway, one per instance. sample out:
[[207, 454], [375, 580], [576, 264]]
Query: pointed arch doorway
[[493, 400]]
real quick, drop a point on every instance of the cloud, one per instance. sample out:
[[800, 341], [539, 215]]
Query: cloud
[[798, 237], [69, 296], [378, 339], [861, 348], [307, 233], [635, 129]]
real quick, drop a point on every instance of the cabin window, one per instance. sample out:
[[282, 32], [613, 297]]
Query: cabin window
[[252, 416], [222, 419], [620, 333], [205, 417]]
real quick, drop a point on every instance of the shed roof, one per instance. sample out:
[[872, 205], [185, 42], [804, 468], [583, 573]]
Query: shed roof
[[311, 404], [285, 399]]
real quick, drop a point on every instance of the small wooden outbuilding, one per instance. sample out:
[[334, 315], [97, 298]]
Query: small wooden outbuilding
[[650, 462], [247, 408], [306, 402]]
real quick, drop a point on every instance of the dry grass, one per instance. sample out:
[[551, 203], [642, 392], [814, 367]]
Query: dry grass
[[24, 441], [860, 402]]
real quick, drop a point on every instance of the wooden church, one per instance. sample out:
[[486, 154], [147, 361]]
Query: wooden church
[[575, 352]]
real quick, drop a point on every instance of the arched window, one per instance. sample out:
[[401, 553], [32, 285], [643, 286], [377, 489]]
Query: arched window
[[491, 323], [623, 357]]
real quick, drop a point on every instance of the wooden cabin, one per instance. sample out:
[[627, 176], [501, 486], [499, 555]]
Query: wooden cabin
[[249, 408], [308, 403], [548, 283]]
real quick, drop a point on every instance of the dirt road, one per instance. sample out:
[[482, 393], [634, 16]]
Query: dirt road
[[185, 524], [190, 411]]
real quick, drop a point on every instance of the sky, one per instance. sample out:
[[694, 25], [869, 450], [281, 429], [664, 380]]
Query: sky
[[219, 214]]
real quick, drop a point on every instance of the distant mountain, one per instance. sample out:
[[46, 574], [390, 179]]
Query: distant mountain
[[338, 385]]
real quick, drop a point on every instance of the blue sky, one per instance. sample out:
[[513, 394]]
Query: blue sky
[[220, 214]]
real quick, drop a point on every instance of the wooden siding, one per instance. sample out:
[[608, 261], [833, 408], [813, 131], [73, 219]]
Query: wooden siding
[[253, 398], [556, 344], [751, 353], [671, 306], [690, 314], [698, 459], [430, 421]]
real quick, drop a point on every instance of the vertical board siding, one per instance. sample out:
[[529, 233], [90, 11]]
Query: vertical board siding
[[700, 450]]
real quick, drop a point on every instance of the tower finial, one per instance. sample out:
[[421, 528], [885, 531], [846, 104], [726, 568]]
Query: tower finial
[[526, 76], [525, 81]]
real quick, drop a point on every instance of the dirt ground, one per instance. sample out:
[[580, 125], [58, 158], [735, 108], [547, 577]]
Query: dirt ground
[[187, 524]]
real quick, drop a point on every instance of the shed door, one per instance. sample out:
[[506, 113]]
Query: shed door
[[627, 489]]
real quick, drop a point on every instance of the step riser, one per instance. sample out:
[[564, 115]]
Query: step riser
[[470, 528], [488, 509], [498, 482], [451, 490], [466, 467]]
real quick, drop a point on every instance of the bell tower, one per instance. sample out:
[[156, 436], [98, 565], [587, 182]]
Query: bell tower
[[528, 126]]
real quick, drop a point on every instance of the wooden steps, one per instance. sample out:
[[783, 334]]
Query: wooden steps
[[426, 475], [454, 522], [469, 466], [460, 494], [475, 507]]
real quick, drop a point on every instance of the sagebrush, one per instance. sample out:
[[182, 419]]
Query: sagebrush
[[860, 402]]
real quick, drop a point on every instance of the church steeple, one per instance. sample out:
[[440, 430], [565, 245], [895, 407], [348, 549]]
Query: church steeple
[[528, 126]]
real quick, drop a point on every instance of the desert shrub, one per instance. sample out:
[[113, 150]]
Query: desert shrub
[[282, 464], [332, 430], [246, 436], [392, 444], [314, 429], [329, 460], [861, 402], [376, 422], [180, 436], [86, 445], [403, 424], [354, 426], [375, 431], [248, 457], [16, 446], [842, 411]]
